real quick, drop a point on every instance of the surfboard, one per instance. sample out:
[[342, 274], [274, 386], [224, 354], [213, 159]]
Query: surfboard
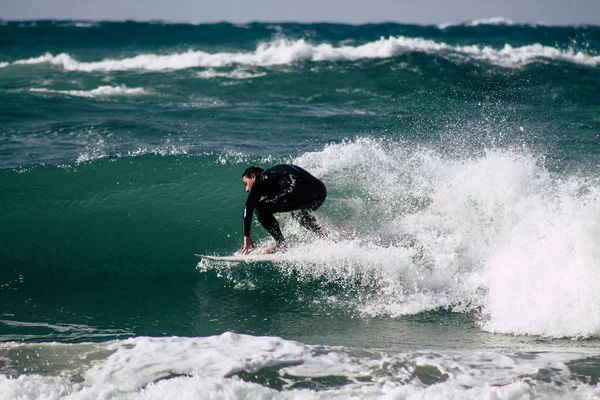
[[248, 258]]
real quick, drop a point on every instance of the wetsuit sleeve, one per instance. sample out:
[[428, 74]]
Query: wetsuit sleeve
[[251, 202]]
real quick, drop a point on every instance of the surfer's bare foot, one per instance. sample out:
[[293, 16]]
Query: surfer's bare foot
[[278, 248], [322, 233]]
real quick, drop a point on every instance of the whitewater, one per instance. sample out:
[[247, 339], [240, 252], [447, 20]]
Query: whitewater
[[282, 51]]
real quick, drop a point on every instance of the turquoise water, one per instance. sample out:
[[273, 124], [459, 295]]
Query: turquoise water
[[462, 167]]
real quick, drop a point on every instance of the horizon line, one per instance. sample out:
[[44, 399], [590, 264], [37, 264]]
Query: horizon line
[[489, 21]]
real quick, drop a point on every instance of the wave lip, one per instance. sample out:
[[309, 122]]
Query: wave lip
[[510, 56], [490, 21], [101, 91], [284, 52]]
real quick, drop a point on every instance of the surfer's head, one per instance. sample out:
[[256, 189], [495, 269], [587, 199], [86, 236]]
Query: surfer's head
[[249, 176]]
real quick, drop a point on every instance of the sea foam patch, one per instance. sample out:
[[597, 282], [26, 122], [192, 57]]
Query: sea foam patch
[[243, 366], [101, 91], [235, 74]]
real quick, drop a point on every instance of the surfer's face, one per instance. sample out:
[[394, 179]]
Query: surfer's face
[[248, 182]]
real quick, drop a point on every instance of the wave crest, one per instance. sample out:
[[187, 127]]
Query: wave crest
[[497, 21], [283, 52], [100, 91]]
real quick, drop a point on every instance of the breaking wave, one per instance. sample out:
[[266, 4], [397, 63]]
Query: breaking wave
[[496, 234], [101, 91], [497, 21], [283, 52], [236, 366]]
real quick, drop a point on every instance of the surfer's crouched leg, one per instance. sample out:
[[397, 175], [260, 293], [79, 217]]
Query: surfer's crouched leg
[[268, 221], [303, 215], [307, 220]]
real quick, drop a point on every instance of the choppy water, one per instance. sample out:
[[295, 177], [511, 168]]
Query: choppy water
[[462, 164]]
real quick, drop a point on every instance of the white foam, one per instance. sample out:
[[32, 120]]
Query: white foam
[[136, 362], [34, 387], [543, 279], [235, 74], [491, 21], [191, 368], [62, 331], [101, 91], [80, 24], [482, 21], [510, 56], [282, 52]]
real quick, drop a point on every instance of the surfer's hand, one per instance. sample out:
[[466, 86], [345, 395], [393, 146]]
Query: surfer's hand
[[247, 244]]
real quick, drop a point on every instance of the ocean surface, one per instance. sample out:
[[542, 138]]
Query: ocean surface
[[462, 163]]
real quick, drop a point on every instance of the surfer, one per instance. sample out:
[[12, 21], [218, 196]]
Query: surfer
[[282, 188]]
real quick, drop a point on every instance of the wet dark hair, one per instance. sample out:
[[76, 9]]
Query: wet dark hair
[[253, 170]]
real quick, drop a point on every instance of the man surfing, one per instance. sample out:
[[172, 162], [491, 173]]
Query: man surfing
[[282, 188]]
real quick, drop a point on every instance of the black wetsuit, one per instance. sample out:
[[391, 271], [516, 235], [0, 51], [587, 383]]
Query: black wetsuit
[[284, 188]]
